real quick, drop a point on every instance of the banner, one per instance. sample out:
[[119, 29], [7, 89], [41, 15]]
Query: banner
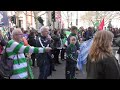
[[84, 51], [4, 18], [96, 24]]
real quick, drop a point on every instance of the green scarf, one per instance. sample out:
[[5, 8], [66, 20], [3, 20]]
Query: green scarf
[[30, 72], [71, 47]]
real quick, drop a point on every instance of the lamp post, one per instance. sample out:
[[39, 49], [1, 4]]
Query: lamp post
[[68, 18], [77, 19], [53, 18], [71, 19]]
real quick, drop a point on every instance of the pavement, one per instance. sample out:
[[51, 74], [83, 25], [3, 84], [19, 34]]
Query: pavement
[[60, 73]]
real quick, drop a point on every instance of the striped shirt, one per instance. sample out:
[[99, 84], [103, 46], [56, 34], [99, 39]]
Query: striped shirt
[[16, 51]]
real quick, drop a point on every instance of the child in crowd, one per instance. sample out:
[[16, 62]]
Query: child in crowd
[[71, 59]]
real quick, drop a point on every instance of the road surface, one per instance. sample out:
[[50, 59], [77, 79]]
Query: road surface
[[60, 73]]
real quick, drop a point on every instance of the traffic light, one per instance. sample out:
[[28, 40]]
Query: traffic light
[[76, 21], [53, 16], [13, 19], [40, 20]]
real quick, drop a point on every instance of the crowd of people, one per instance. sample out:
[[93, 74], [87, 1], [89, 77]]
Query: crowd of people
[[45, 48], [28, 41]]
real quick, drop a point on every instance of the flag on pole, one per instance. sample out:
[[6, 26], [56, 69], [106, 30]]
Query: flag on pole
[[84, 51], [67, 33], [101, 25], [96, 23]]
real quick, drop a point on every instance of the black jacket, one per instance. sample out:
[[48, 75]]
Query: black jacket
[[32, 41], [56, 42], [2, 41], [108, 68], [71, 54], [43, 58]]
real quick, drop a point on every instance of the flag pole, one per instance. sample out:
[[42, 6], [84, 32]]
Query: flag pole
[[68, 18], [71, 19]]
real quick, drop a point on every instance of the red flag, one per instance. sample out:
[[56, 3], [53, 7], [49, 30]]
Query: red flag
[[101, 25]]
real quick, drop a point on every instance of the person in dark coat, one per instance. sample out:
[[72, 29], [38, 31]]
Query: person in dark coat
[[32, 42], [74, 32], [57, 46], [2, 42], [63, 50], [101, 63], [44, 59], [71, 59]]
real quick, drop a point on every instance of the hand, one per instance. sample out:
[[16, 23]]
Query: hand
[[47, 49], [65, 45], [78, 51], [28, 55]]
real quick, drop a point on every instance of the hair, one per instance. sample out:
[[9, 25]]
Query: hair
[[11, 29], [25, 32], [101, 46], [73, 28], [55, 32], [16, 26], [15, 31], [32, 33], [43, 28], [22, 29]]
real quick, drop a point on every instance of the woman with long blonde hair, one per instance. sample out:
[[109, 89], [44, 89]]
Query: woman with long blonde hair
[[101, 63]]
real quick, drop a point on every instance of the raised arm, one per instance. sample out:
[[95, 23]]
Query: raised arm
[[19, 48]]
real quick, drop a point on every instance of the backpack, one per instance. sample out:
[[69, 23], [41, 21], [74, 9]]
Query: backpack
[[6, 65]]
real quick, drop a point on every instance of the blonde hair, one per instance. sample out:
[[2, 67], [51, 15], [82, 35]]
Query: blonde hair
[[101, 46]]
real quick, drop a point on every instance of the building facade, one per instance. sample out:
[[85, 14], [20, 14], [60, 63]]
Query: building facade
[[24, 19]]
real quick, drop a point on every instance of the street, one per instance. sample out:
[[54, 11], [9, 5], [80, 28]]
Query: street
[[60, 73], [23, 34]]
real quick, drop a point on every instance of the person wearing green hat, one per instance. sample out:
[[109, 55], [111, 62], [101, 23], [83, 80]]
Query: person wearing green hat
[[63, 40]]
